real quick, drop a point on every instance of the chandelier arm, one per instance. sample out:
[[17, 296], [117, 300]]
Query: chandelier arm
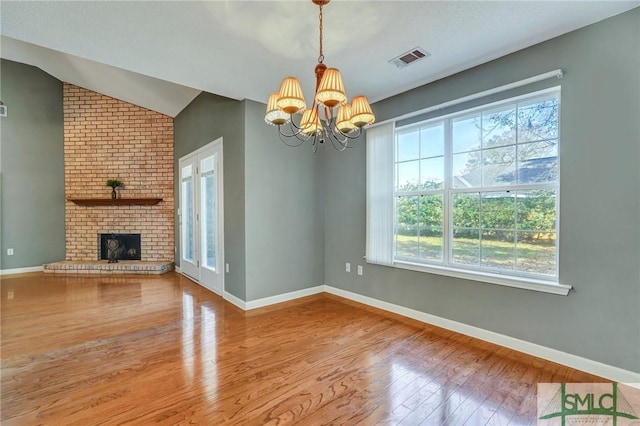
[[328, 112], [337, 144], [301, 136], [292, 134], [300, 141], [315, 145], [296, 129], [355, 134], [345, 139], [333, 129], [298, 132], [295, 132], [304, 137], [294, 125]]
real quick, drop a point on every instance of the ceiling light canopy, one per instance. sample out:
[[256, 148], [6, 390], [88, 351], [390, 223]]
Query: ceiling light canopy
[[330, 116]]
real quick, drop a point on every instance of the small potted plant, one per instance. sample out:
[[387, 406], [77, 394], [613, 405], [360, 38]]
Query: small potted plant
[[114, 183]]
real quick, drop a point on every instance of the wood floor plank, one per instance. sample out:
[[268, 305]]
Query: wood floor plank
[[162, 350]]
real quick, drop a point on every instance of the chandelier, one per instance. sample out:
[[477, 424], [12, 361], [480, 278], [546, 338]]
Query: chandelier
[[330, 117]]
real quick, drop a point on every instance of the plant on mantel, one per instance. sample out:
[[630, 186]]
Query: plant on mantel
[[114, 183], [115, 198]]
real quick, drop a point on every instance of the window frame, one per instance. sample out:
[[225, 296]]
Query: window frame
[[513, 278]]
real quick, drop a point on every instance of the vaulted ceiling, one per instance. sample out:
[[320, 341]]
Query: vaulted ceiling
[[161, 54]]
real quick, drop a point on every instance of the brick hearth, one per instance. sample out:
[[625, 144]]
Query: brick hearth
[[102, 267]]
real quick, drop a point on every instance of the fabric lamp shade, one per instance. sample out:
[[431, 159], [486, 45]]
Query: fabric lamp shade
[[331, 89], [361, 112], [275, 115], [310, 123], [343, 123], [290, 97]]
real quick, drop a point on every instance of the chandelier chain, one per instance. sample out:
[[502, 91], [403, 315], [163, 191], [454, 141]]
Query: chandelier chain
[[321, 57]]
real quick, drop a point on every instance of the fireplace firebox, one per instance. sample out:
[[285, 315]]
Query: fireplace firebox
[[115, 247]]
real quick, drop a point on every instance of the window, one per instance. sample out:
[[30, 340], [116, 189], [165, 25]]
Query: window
[[477, 191]]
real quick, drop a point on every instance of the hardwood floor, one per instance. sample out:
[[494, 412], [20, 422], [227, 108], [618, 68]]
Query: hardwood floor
[[162, 350]]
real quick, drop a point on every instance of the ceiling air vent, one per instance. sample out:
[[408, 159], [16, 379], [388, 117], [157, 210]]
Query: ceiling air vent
[[409, 57]]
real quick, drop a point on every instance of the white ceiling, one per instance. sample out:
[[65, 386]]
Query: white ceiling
[[161, 54]]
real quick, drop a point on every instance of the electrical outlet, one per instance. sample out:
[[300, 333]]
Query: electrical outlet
[[9, 252], [359, 269], [226, 267], [347, 267]]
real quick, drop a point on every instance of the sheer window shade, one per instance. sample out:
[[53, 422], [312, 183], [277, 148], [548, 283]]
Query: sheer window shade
[[380, 165]]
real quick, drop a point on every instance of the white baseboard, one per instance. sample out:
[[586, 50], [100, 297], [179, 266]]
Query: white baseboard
[[272, 300], [177, 269], [235, 300], [21, 270], [259, 303], [573, 361], [579, 363]]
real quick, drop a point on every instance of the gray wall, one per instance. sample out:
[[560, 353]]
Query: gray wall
[[600, 204], [206, 119], [274, 231], [32, 167], [284, 213]]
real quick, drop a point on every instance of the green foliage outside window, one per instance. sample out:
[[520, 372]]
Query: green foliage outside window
[[497, 149]]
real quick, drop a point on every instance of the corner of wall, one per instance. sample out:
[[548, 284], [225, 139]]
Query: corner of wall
[[32, 167]]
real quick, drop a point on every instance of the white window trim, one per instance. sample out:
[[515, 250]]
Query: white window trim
[[490, 277], [487, 277]]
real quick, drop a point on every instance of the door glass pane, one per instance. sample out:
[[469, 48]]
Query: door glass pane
[[187, 213], [207, 165], [186, 172], [208, 212]]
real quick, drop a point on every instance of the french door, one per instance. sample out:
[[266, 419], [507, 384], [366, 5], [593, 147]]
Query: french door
[[201, 215]]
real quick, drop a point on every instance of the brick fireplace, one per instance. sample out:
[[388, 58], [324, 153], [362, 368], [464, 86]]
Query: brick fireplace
[[105, 138]]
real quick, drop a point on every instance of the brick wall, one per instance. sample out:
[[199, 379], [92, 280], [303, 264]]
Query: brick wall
[[105, 138]]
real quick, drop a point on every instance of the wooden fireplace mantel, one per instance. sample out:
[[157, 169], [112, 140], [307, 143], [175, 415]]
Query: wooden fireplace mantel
[[115, 201]]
